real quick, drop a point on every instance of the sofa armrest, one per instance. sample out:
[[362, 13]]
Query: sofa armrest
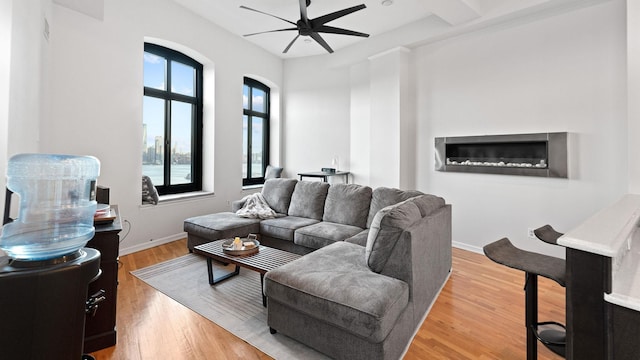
[[422, 257], [237, 205]]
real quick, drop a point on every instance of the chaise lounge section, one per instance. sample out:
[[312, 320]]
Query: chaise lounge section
[[355, 302]]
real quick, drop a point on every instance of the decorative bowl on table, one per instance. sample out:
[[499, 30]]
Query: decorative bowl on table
[[249, 246]]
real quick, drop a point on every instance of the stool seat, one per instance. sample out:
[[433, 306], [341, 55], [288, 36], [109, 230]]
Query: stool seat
[[505, 253], [547, 234]]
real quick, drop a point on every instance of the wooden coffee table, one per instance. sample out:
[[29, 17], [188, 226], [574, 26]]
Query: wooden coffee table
[[267, 258]]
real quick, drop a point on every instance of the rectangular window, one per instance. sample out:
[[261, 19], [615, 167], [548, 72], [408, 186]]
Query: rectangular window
[[172, 120], [255, 131]]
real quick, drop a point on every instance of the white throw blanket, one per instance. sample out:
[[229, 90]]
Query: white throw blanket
[[256, 207]]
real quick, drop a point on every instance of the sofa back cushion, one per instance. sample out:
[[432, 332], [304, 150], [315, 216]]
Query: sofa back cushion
[[347, 204], [308, 199], [385, 231], [383, 197], [277, 193], [428, 203]]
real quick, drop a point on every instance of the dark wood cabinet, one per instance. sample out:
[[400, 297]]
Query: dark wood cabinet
[[100, 329]]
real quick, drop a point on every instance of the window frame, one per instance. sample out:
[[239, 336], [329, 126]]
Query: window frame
[[255, 84], [196, 120]]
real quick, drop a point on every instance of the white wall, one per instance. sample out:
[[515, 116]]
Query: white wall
[[562, 73], [29, 56], [23, 69], [360, 140], [633, 93], [5, 76], [96, 104], [317, 115]]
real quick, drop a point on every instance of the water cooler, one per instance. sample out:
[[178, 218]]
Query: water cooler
[[45, 276]]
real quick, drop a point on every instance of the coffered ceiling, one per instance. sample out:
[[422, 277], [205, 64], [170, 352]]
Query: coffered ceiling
[[390, 23], [380, 17]]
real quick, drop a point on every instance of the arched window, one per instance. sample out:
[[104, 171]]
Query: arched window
[[255, 131], [172, 120]]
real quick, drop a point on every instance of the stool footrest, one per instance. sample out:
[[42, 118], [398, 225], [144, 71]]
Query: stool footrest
[[551, 334]]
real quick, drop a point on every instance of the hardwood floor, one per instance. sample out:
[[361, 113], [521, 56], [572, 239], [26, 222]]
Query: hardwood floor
[[478, 315]]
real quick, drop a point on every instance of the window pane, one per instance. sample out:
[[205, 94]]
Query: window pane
[[182, 78], [153, 139], [154, 71], [245, 97], [181, 116], [256, 146], [259, 100], [245, 143]]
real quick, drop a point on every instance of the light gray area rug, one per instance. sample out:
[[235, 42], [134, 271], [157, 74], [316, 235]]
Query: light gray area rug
[[235, 304]]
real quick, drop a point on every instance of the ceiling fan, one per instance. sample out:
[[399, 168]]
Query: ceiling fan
[[313, 27]]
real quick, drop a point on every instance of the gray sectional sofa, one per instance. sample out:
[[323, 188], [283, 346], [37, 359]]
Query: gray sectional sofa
[[375, 262]]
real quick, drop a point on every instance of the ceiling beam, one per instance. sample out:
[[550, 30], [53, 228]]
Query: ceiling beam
[[93, 8], [454, 12]]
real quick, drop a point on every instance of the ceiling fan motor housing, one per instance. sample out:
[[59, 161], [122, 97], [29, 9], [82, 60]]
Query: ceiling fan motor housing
[[313, 27]]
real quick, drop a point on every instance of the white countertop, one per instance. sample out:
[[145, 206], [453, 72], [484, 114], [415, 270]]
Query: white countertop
[[605, 232], [625, 288], [614, 232]]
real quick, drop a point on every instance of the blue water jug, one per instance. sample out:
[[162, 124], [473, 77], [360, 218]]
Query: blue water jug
[[57, 205]]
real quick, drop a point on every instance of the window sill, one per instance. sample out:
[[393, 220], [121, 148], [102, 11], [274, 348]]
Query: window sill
[[251, 187], [167, 199]]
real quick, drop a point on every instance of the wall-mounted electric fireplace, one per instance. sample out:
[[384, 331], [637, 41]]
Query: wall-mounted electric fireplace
[[542, 154]]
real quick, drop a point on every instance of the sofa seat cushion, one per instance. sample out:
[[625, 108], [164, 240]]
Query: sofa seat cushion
[[323, 233], [284, 227], [348, 204], [335, 285], [221, 226]]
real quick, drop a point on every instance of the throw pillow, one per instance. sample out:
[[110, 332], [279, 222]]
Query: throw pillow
[[272, 172]]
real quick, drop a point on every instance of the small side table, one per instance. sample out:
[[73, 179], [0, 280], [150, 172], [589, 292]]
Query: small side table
[[325, 175]]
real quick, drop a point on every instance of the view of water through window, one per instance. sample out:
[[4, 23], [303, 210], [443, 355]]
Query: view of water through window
[[180, 174]]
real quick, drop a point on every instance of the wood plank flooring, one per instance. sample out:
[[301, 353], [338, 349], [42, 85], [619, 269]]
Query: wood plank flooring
[[479, 315]]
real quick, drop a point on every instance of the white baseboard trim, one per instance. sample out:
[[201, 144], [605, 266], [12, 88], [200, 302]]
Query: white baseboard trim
[[152, 243], [467, 247]]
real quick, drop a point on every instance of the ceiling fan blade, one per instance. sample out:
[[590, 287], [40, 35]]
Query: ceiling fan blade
[[334, 15], [291, 43], [335, 30], [262, 12], [303, 11], [269, 31], [321, 41]]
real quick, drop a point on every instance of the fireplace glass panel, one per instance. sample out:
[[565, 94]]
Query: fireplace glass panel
[[519, 154]]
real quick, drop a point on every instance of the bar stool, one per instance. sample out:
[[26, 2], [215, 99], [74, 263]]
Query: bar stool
[[549, 333], [547, 234]]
